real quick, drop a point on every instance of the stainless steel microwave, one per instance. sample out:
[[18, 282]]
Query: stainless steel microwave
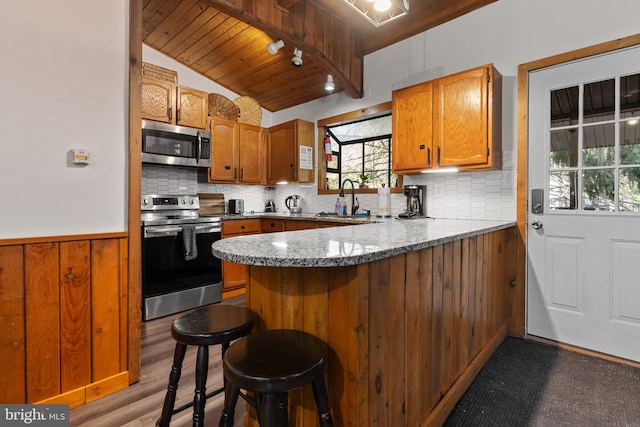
[[175, 145]]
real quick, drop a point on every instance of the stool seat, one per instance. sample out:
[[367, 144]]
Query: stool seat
[[202, 327], [275, 361], [269, 364], [212, 324]]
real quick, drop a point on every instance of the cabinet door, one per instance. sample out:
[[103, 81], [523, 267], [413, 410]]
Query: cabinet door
[[192, 107], [224, 153], [233, 275], [461, 118], [282, 159], [157, 100], [250, 146], [411, 144], [305, 139]]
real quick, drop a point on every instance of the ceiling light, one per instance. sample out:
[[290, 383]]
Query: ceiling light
[[379, 12], [329, 85], [274, 47], [296, 61]]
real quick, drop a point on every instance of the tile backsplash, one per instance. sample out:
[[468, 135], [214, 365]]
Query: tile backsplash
[[468, 195], [162, 179]]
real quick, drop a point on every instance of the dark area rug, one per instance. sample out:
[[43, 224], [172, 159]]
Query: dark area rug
[[526, 383]]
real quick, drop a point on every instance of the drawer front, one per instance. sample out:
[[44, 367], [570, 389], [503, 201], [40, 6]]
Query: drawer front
[[272, 225], [240, 226]]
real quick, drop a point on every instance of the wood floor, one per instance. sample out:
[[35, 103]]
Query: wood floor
[[141, 403]]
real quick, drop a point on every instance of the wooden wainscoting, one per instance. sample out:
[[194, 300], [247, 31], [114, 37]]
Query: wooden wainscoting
[[63, 318]]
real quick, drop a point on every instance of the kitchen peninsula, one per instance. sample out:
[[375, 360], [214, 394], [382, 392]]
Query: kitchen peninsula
[[411, 310]]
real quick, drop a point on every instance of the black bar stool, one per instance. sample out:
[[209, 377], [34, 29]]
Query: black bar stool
[[270, 363], [203, 326]]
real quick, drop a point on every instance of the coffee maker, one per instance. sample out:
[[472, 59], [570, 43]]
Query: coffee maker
[[415, 195], [269, 200]]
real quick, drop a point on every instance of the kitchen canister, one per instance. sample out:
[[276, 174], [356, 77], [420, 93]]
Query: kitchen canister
[[384, 202]]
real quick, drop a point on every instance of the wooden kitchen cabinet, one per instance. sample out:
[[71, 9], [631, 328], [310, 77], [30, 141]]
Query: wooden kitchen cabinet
[[234, 276], [451, 121], [467, 117], [285, 144], [170, 103], [412, 117], [237, 152]]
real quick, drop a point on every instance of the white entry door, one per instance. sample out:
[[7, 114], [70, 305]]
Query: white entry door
[[583, 238]]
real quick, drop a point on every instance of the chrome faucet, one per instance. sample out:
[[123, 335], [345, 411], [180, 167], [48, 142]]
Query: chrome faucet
[[354, 207]]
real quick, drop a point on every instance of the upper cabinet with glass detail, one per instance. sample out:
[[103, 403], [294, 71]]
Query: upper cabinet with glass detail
[[451, 121], [594, 146]]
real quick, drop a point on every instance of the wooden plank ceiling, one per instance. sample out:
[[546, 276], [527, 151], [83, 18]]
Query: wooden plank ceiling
[[225, 41]]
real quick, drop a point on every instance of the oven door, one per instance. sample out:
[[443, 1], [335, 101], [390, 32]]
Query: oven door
[[171, 282]]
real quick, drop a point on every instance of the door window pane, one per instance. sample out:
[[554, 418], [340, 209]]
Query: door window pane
[[630, 190], [598, 190], [564, 148], [594, 149], [630, 96], [564, 107], [562, 190], [599, 145], [630, 143], [599, 101]]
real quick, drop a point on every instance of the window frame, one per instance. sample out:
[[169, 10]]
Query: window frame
[[361, 114]]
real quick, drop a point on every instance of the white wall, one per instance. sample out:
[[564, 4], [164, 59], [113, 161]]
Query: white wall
[[64, 85]]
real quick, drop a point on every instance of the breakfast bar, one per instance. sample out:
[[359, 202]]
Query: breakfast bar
[[410, 310]]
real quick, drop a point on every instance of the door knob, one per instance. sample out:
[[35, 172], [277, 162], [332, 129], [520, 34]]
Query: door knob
[[536, 224]]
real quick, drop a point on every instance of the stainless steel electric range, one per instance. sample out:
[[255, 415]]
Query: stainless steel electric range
[[178, 270]]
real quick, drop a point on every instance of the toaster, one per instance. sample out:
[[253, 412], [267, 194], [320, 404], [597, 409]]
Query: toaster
[[236, 206]]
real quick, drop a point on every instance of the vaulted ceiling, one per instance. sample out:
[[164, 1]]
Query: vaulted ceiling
[[225, 41]]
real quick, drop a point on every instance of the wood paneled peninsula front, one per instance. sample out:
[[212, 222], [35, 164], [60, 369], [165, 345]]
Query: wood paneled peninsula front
[[410, 309]]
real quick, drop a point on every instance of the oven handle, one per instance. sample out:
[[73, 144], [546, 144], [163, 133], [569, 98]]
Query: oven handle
[[164, 230]]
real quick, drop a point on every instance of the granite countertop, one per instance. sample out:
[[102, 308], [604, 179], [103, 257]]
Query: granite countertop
[[350, 244]]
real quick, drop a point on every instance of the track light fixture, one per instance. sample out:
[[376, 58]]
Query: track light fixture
[[329, 85], [274, 47], [296, 61]]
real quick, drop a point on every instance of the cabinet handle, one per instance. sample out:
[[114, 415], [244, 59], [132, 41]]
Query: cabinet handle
[[293, 171], [241, 173], [170, 113], [242, 227], [429, 156], [177, 115], [235, 173], [438, 155]]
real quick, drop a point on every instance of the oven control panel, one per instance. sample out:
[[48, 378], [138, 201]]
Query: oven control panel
[[155, 202]]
